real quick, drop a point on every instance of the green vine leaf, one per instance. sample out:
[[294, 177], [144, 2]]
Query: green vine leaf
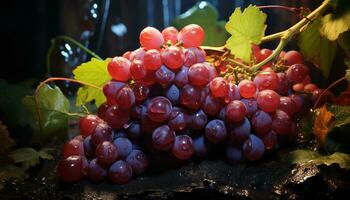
[[312, 157], [29, 157], [333, 24], [93, 72], [53, 107], [316, 48], [246, 27]]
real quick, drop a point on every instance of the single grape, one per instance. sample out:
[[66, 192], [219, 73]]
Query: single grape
[[234, 155], [116, 117], [88, 124], [73, 147], [101, 112], [215, 131], [219, 87], [89, 147], [141, 91], [200, 147], [293, 57], [240, 132], [124, 147], [173, 57], [190, 57], [200, 54], [297, 73], [281, 122], [152, 60], [151, 38], [212, 105], [163, 138], [261, 122], [253, 148], [298, 87], [120, 172], [72, 168], [181, 77], [283, 84], [266, 79], [173, 94], [190, 97], [159, 109], [96, 171], [102, 133], [110, 90], [198, 74], [251, 105], [191, 35], [287, 105], [106, 153], [164, 76], [125, 98], [138, 161], [198, 120], [268, 100], [137, 70], [233, 93], [247, 88], [134, 130], [119, 69], [235, 111], [170, 34], [183, 147], [270, 140], [178, 119]]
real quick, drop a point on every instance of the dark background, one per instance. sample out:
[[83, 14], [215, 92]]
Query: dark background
[[107, 27]]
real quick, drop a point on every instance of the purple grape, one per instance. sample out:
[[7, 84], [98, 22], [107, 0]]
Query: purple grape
[[138, 161], [120, 172], [183, 147], [215, 131], [253, 148], [124, 147], [163, 138]]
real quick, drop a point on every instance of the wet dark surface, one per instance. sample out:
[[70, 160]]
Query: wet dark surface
[[207, 180]]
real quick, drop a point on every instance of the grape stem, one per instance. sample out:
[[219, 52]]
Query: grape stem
[[288, 34], [327, 89], [36, 102]]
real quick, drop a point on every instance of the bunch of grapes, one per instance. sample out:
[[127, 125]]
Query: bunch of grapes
[[164, 96]]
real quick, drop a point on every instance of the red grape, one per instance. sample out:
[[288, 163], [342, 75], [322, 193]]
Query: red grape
[[297, 73], [163, 138], [170, 34], [247, 88], [293, 57], [151, 38], [219, 87], [198, 74], [137, 70], [191, 35], [268, 100], [73, 147], [119, 68], [73, 168], [87, 124], [235, 111], [152, 59], [183, 147], [159, 109], [173, 57]]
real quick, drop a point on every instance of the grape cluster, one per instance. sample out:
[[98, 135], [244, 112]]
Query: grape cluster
[[164, 96]]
